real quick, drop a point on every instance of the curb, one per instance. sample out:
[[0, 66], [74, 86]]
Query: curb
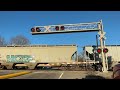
[[14, 75]]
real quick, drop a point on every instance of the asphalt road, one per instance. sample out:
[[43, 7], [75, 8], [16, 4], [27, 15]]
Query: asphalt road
[[40, 75], [5, 72], [57, 74], [37, 74]]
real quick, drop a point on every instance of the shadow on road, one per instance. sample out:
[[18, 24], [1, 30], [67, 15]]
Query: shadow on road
[[93, 77]]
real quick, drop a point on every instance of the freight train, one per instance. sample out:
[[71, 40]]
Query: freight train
[[113, 57], [33, 56], [64, 57]]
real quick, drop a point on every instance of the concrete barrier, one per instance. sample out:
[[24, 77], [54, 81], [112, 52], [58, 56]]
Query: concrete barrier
[[14, 75]]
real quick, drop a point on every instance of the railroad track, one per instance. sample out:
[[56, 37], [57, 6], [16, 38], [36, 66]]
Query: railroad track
[[65, 67]]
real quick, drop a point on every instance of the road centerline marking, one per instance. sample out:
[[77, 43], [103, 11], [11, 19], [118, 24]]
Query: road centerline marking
[[14, 75]]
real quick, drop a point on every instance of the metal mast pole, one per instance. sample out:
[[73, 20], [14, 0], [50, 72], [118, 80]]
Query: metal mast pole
[[101, 33]]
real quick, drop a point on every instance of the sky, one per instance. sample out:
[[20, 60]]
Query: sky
[[13, 23]]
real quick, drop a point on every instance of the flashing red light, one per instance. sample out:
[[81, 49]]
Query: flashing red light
[[57, 27], [105, 50], [99, 50], [62, 27], [32, 30], [38, 29]]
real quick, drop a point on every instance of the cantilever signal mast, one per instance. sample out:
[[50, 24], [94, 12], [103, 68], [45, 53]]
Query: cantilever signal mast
[[65, 28], [71, 28]]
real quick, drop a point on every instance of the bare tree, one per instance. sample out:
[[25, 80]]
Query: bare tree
[[19, 40], [2, 41]]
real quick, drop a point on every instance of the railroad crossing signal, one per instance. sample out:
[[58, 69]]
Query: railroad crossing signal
[[99, 50], [66, 28], [105, 50], [36, 29], [102, 35], [80, 27], [59, 28]]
